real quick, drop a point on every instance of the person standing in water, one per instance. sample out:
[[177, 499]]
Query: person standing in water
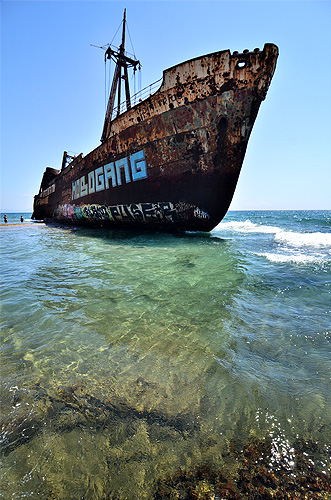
[[22, 219], [5, 219]]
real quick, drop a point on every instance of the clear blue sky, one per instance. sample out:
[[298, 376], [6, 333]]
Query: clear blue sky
[[53, 99]]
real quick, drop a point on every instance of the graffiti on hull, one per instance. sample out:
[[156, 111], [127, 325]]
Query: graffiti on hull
[[128, 169], [158, 212], [143, 212]]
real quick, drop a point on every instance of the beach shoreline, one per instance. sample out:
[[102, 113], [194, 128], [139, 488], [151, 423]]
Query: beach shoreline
[[21, 224]]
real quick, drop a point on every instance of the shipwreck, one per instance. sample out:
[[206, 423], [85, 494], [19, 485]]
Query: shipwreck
[[170, 156]]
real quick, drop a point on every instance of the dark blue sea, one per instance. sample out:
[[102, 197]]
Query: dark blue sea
[[140, 366]]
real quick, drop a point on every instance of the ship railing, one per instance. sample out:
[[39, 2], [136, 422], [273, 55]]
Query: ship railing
[[140, 96]]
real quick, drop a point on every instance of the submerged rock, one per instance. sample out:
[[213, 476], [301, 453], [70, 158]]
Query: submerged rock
[[71, 410], [255, 479], [18, 431]]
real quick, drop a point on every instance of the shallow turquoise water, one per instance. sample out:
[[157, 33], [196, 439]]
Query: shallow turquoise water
[[173, 347]]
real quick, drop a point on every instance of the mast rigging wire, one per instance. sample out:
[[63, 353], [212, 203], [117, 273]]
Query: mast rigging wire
[[116, 33], [130, 39]]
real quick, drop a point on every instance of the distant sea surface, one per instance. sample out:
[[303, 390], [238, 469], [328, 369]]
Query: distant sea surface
[[15, 218], [135, 365]]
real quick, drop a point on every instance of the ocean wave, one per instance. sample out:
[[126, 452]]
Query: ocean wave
[[291, 258], [246, 227], [290, 238], [304, 239]]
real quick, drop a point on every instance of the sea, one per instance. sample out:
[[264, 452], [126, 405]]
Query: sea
[[144, 366]]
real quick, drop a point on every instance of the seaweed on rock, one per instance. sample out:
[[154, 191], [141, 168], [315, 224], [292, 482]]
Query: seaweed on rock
[[254, 479]]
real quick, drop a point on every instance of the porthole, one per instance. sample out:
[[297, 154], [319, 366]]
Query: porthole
[[241, 64]]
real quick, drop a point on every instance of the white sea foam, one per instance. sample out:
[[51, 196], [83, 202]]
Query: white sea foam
[[293, 258], [246, 227], [295, 239], [290, 238]]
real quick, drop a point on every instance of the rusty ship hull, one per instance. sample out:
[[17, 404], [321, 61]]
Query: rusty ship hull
[[173, 160]]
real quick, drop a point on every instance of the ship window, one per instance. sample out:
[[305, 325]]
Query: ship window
[[241, 64]]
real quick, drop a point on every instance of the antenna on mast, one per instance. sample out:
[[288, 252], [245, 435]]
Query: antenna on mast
[[123, 62]]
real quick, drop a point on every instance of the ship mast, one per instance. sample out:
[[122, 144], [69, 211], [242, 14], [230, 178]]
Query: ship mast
[[123, 62]]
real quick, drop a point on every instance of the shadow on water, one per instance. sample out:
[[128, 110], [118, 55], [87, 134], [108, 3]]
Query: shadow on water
[[136, 235]]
